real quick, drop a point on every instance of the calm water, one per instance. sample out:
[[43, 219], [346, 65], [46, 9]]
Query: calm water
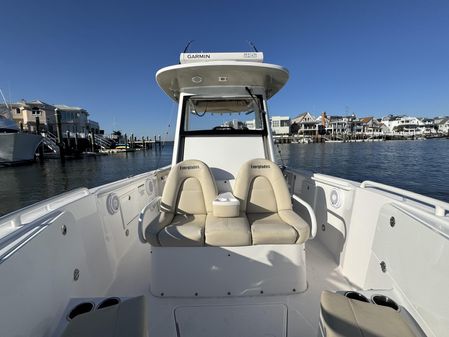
[[419, 166]]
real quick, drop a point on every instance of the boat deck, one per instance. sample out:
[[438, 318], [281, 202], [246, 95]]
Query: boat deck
[[301, 310]]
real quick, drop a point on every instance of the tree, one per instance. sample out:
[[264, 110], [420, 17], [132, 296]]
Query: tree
[[294, 128]]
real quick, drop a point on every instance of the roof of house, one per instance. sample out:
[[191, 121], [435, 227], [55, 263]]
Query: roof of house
[[66, 107], [23, 102], [443, 121], [366, 119], [300, 117]]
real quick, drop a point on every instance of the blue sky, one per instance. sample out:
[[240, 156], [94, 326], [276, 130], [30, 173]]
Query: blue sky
[[369, 57]]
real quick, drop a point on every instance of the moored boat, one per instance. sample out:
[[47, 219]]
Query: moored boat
[[16, 147]]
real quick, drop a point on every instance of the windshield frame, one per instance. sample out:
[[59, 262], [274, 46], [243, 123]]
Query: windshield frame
[[259, 103]]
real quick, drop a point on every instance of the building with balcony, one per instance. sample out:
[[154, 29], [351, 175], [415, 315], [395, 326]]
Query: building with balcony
[[74, 120], [27, 113], [306, 124]]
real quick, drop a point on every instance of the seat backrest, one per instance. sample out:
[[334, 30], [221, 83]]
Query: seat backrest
[[261, 188], [190, 189]]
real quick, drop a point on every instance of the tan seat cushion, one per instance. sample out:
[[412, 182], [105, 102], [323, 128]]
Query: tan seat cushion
[[263, 194], [127, 319], [184, 230], [268, 228], [233, 231], [298, 223], [342, 316], [186, 200], [260, 186]]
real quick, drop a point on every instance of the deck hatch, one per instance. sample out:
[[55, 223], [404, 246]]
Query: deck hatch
[[232, 320]]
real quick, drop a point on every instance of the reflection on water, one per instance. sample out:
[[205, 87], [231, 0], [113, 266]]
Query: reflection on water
[[24, 185], [419, 166]]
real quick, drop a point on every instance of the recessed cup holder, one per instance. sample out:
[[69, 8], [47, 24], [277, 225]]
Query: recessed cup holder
[[80, 309], [354, 295], [108, 302], [385, 301]]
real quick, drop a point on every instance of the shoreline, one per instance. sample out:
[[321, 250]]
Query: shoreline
[[323, 140]]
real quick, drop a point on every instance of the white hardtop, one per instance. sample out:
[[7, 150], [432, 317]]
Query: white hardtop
[[221, 70]]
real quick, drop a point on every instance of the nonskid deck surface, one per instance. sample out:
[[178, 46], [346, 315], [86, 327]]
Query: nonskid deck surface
[[302, 310]]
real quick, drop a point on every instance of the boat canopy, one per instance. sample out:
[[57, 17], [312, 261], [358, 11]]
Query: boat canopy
[[196, 77]]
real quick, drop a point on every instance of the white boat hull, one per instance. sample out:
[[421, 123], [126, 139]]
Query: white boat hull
[[18, 147]]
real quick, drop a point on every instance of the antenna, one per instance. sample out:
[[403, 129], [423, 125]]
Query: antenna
[[4, 100], [253, 46], [187, 46]]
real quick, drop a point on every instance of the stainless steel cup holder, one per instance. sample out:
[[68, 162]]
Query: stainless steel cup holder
[[385, 301], [354, 295], [108, 302], [80, 309]]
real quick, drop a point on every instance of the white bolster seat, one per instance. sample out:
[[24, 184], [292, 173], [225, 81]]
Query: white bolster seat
[[185, 204], [264, 197]]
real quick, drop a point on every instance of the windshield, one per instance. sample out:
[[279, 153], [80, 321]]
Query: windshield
[[206, 114]]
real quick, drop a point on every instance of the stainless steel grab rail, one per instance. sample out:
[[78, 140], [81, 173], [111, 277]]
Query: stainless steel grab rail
[[440, 207], [11, 242], [312, 215]]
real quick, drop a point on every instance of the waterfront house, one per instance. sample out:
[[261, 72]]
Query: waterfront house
[[428, 126], [27, 113], [238, 125], [251, 124], [370, 125], [94, 127], [442, 125], [306, 124], [404, 124], [280, 125], [73, 119], [342, 124]]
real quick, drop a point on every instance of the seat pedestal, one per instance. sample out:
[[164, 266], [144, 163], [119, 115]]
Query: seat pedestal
[[227, 271]]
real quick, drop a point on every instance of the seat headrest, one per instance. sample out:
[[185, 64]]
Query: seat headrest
[[262, 168], [190, 168]]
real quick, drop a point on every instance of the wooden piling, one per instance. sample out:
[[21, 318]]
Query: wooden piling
[[76, 141], [40, 146], [59, 134], [69, 146], [92, 137]]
